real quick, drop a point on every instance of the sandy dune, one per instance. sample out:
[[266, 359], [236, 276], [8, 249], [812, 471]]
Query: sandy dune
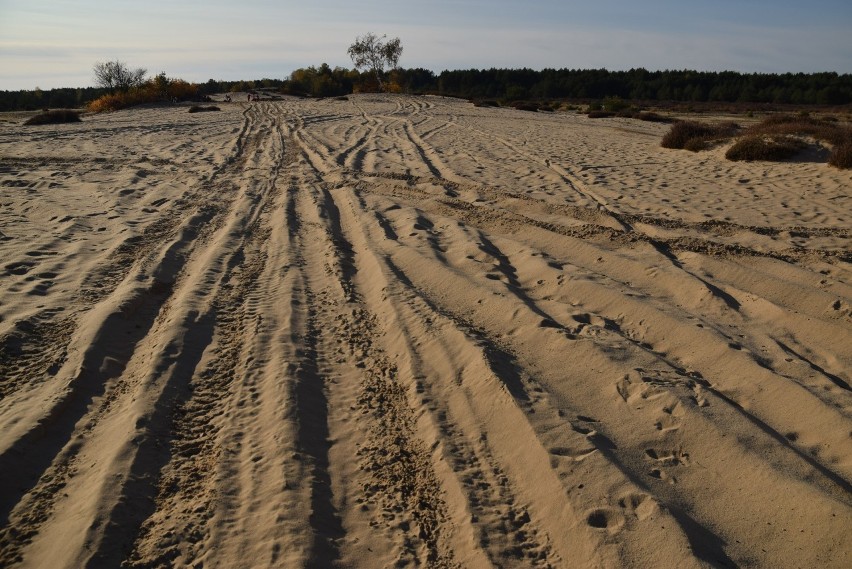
[[407, 332]]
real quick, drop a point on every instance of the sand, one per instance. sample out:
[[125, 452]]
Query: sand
[[400, 331]]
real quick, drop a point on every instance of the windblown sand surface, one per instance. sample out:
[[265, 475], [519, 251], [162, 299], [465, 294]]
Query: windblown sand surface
[[399, 331]]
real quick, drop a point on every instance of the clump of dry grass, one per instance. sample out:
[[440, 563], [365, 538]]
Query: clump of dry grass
[[802, 125], [652, 117], [761, 147], [55, 117], [778, 137], [629, 113], [827, 130], [695, 136], [841, 156], [203, 109], [525, 106]]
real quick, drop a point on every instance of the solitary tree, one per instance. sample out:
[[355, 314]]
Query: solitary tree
[[374, 53], [117, 76]]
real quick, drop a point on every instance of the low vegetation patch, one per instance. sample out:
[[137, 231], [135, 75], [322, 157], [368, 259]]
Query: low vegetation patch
[[695, 136], [157, 90], [55, 117], [627, 113], [762, 147], [203, 109], [776, 138], [825, 130], [841, 156], [653, 117], [485, 103], [525, 106]]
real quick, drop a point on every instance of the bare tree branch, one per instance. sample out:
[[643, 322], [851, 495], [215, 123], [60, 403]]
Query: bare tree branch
[[117, 76]]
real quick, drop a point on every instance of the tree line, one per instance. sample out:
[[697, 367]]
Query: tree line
[[826, 88], [588, 84]]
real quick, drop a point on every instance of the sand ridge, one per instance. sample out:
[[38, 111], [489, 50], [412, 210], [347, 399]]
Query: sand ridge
[[405, 331]]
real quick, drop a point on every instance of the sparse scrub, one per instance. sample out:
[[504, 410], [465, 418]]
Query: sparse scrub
[[203, 109], [841, 156], [54, 117], [779, 137], [525, 106], [155, 90], [615, 104], [485, 103], [803, 125], [696, 144], [770, 148], [653, 117], [692, 135], [626, 112]]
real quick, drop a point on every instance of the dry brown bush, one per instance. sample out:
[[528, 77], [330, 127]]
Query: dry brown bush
[[54, 117], [771, 148], [202, 109], [696, 135], [841, 156]]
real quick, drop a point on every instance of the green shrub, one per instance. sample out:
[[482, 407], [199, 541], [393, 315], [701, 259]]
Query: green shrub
[[767, 148], [55, 117], [485, 103], [202, 109], [600, 114], [615, 104]]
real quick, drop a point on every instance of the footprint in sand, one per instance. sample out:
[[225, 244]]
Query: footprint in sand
[[18, 268], [609, 519], [668, 457], [671, 418], [634, 389], [638, 504]]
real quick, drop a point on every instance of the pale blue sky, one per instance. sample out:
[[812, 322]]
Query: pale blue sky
[[55, 43]]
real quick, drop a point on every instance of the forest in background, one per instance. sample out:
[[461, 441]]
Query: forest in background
[[509, 85]]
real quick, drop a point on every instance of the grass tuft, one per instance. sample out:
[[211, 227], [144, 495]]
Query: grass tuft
[[55, 117], [525, 106], [841, 156], [692, 135], [769, 148], [203, 109]]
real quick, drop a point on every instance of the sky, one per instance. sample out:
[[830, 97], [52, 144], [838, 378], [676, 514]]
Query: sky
[[55, 43]]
